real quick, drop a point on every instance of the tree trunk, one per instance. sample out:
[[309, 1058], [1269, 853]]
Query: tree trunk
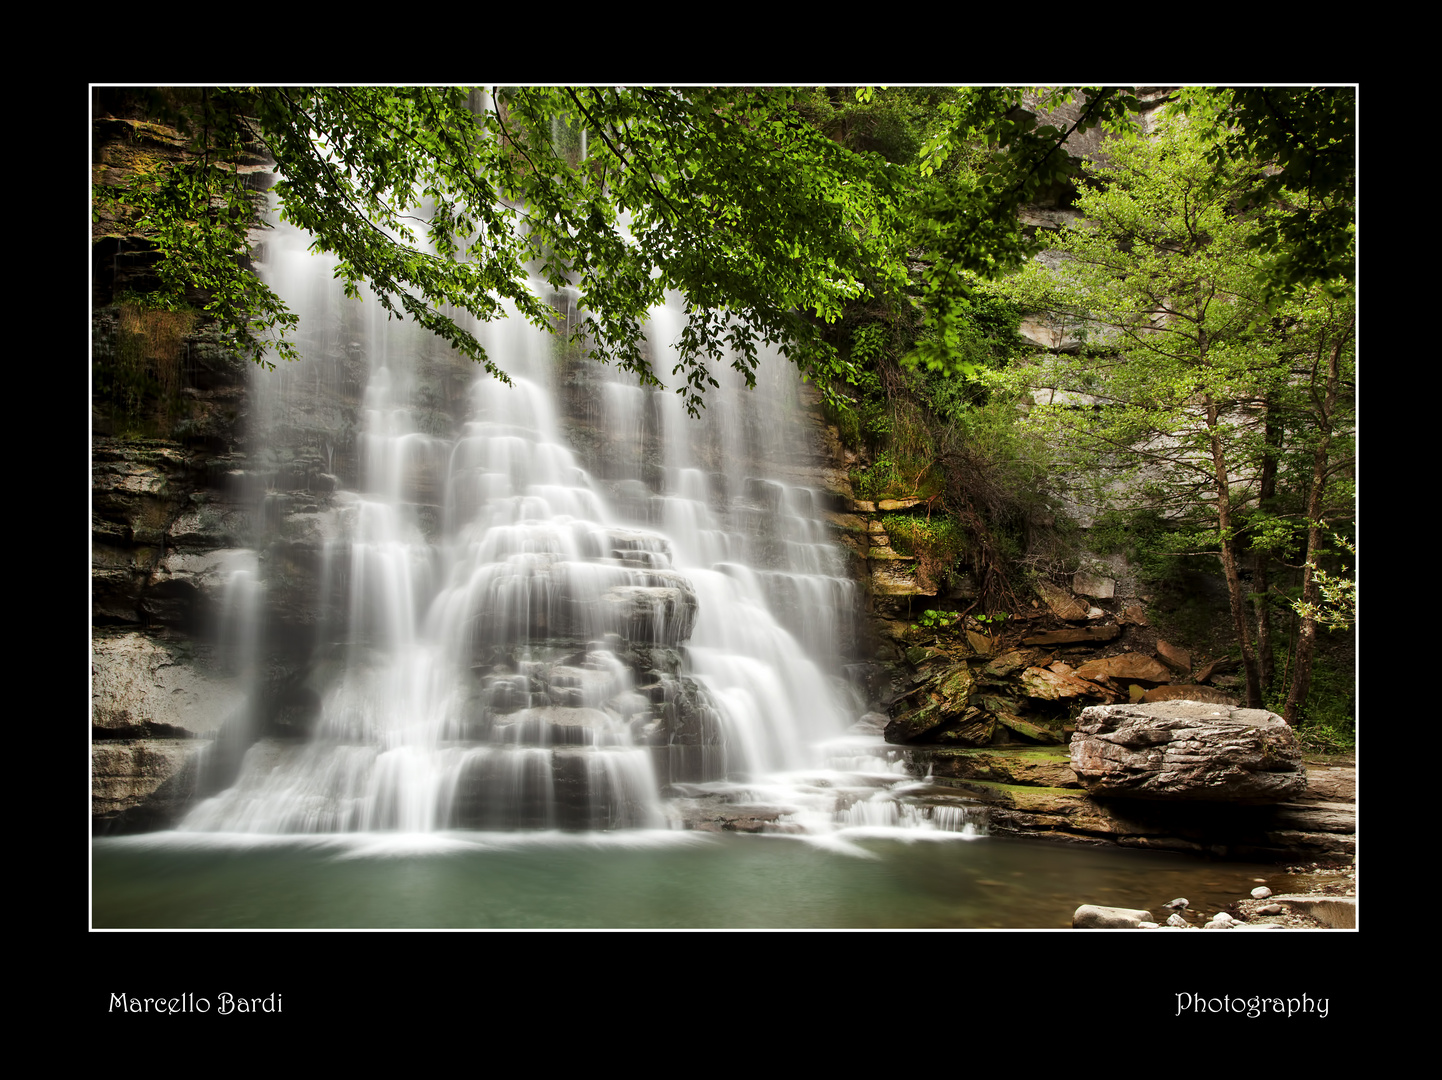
[[1272, 439], [1229, 559], [1307, 634]]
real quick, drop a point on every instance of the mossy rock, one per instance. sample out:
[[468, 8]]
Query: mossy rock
[[911, 726], [1028, 730]]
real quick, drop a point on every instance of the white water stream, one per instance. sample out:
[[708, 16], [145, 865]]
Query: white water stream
[[560, 604]]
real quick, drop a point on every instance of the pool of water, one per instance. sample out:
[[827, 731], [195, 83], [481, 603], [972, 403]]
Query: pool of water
[[857, 878]]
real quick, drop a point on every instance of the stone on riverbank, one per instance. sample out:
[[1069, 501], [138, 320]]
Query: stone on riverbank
[[1186, 750], [1096, 917]]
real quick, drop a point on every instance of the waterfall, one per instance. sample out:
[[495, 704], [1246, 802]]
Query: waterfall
[[560, 603]]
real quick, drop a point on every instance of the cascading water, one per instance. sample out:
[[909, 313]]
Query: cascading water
[[554, 603]]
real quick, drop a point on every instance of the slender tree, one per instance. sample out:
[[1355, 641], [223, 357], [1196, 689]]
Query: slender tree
[[1328, 486], [1185, 366]]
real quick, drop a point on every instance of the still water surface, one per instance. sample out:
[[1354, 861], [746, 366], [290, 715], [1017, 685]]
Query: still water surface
[[643, 879]]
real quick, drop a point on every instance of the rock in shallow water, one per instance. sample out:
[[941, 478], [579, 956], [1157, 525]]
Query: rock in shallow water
[[1097, 917]]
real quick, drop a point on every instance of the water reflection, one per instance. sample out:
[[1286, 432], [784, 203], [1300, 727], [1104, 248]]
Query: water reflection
[[638, 879]]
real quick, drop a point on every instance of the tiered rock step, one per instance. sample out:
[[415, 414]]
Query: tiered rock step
[[558, 787]]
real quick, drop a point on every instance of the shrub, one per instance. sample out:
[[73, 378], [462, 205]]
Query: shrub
[[938, 545]]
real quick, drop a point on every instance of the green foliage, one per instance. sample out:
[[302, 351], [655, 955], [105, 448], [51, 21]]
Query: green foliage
[[896, 476], [1338, 607], [867, 420], [893, 122], [964, 214], [768, 210], [1012, 462], [869, 344], [198, 213], [1300, 144], [1328, 719], [937, 620], [1162, 551], [763, 224], [1191, 361], [983, 335], [938, 543], [877, 480]]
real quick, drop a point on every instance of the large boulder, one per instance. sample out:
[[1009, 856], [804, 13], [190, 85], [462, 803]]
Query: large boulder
[[1187, 750]]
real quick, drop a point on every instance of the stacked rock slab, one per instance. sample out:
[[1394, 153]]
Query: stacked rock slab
[[1187, 750]]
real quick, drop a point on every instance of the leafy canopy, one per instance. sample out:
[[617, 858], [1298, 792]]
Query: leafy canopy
[[988, 156], [437, 199], [1164, 275], [1299, 148]]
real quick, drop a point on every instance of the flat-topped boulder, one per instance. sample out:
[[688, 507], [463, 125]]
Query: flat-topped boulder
[[1187, 750]]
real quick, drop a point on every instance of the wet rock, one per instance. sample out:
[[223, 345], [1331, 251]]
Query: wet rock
[[920, 654], [1216, 667], [1331, 783], [894, 575], [556, 724], [1097, 917], [1338, 912], [1009, 662], [1002, 765], [188, 587], [143, 686], [1028, 730], [942, 713], [1187, 750], [662, 615], [1136, 615], [142, 784], [1317, 817]]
